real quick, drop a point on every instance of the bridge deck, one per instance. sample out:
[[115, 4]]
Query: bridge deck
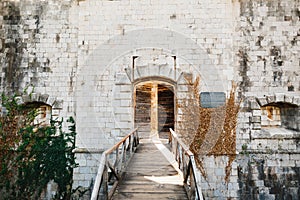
[[150, 175]]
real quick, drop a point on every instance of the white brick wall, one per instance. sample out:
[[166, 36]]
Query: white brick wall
[[81, 52]]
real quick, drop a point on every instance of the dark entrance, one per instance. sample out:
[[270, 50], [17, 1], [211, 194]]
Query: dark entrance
[[165, 110], [142, 117], [154, 109]]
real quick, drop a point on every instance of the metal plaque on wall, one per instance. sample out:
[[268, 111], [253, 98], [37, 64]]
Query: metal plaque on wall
[[212, 99]]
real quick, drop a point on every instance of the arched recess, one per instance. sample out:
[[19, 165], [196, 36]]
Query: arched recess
[[280, 111], [47, 106], [280, 114], [154, 106], [44, 112]]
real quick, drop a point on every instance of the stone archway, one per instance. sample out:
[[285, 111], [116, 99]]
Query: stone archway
[[154, 110]]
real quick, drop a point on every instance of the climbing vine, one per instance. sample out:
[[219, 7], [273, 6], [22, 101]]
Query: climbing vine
[[222, 120], [31, 156]]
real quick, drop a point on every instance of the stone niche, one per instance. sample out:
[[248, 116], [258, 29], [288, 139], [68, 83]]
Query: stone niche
[[280, 113]]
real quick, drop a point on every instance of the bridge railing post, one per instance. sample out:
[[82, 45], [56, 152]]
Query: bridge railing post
[[105, 182], [106, 170], [116, 164], [187, 165]]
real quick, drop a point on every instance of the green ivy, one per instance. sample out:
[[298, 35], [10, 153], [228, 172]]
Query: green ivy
[[36, 155]]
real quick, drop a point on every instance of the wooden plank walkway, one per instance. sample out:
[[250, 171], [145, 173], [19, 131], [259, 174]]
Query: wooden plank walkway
[[150, 175]]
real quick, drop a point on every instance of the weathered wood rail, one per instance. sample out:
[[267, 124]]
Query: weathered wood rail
[[113, 162], [187, 165]]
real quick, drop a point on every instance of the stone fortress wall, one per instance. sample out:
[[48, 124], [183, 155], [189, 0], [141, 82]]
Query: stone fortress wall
[[78, 57]]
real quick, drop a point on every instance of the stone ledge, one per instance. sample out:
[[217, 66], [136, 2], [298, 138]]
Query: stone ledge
[[275, 133], [273, 152], [88, 150]]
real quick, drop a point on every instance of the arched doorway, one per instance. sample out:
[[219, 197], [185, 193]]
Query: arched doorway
[[154, 109]]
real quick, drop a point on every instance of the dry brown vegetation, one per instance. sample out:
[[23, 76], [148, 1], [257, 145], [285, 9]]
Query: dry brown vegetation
[[213, 131]]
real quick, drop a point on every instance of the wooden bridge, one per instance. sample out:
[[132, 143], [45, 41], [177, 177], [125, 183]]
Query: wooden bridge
[[146, 169]]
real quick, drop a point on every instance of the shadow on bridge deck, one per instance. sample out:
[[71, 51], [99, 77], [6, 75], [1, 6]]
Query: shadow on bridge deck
[[151, 174]]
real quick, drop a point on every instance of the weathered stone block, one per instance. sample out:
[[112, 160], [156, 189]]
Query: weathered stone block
[[255, 119], [166, 71], [279, 97], [58, 104], [271, 99], [262, 101], [26, 98], [219, 172], [254, 105], [84, 169], [288, 99], [296, 100], [256, 126], [122, 78], [51, 100], [35, 96]]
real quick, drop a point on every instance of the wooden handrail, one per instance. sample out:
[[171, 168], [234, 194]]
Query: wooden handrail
[[128, 145], [187, 165]]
